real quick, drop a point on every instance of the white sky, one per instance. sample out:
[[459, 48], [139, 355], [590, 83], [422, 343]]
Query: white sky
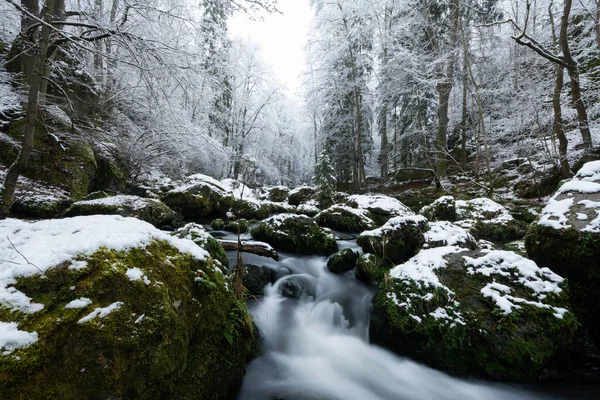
[[282, 38]]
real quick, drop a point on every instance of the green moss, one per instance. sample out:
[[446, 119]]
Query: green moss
[[178, 343], [278, 194], [298, 234], [343, 261], [513, 347], [499, 232], [34, 208], [301, 196], [241, 226], [339, 219], [242, 208], [370, 268], [218, 224], [190, 205]]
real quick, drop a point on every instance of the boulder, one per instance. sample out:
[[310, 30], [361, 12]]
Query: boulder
[[381, 207], [444, 233], [566, 239], [301, 195], [197, 197], [295, 234], [149, 210], [202, 238], [371, 268], [256, 278], [218, 224], [234, 207], [343, 261], [443, 209], [310, 208], [491, 314], [115, 308], [345, 219], [398, 240], [279, 194]]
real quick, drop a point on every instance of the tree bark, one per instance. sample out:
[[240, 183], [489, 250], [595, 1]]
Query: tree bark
[[444, 89], [28, 58], [573, 70], [258, 248], [31, 110]]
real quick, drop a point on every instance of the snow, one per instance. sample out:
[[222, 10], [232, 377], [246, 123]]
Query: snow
[[481, 209], [101, 312], [590, 171], [579, 186], [420, 268], [200, 179], [385, 203], [135, 202], [394, 224], [48, 243], [555, 213], [79, 303], [506, 263], [497, 293], [360, 213], [136, 274], [447, 234], [12, 338]]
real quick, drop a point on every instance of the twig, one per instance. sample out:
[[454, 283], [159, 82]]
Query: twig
[[21, 254]]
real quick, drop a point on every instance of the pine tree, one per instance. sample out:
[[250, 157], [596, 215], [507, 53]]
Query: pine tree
[[324, 178]]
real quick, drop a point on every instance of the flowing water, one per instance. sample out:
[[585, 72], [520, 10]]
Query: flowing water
[[317, 347]]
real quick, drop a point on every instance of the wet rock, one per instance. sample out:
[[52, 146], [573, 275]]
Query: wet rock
[[343, 261], [257, 277]]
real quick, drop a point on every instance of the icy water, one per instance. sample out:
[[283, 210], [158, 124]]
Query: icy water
[[317, 347]]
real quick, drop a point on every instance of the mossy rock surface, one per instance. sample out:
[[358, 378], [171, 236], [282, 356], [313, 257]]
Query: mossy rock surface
[[150, 210], [371, 268], [494, 315], [345, 219], [279, 194], [60, 158], [177, 332], [241, 226], [397, 241], [443, 209], [217, 224], [380, 207], [343, 261], [301, 195], [40, 207], [295, 234], [194, 203], [566, 239], [241, 208], [202, 238]]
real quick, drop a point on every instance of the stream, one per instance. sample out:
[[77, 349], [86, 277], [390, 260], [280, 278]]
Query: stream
[[317, 346]]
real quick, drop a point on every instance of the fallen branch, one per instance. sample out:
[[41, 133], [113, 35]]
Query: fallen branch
[[258, 248]]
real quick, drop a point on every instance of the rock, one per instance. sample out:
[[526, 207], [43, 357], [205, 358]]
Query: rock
[[295, 287], [113, 171], [310, 208], [518, 247], [218, 224], [490, 314], [381, 207], [202, 238], [256, 278], [345, 219], [443, 209], [371, 268], [566, 239], [540, 184], [301, 195], [143, 320], [484, 218], [61, 157], [444, 233], [241, 226], [398, 240], [343, 261], [279, 194], [242, 208], [196, 198], [295, 234], [149, 210]]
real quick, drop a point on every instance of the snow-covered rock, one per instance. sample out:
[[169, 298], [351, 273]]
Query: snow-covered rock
[[125, 308], [566, 239], [490, 313], [380, 206], [398, 240], [345, 219]]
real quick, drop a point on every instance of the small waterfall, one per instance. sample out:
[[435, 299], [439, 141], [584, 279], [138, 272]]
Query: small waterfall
[[317, 348]]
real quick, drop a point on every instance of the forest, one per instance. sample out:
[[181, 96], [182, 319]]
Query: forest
[[177, 221]]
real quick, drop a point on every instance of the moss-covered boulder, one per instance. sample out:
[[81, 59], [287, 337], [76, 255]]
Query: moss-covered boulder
[[371, 268], [295, 234], [444, 233], [257, 277], [345, 219], [380, 207], [492, 314], [121, 310], [149, 210], [566, 239], [443, 209], [62, 156], [230, 206], [279, 194], [197, 197], [398, 240], [310, 208], [241, 225], [301, 195], [202, 238], [343, 261], [217, 224]]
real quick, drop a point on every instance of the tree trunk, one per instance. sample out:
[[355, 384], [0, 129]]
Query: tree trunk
[[463, 122], [597, 24], [31, 110], [444, 89], [384, 158], [573, 70]]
